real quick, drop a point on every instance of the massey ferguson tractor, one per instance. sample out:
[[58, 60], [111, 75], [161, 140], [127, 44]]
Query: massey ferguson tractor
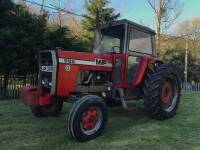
[[123, 66]]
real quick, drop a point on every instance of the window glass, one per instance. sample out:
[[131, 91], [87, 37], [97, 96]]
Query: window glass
[[108, 44], [132, 67], [110, 40], [140, 42]]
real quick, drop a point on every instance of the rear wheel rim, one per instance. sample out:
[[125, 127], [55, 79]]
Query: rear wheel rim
[[91, 120], [169, 95], [167, 92]]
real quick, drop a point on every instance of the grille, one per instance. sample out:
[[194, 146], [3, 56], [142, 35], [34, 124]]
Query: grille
[[46, 69]]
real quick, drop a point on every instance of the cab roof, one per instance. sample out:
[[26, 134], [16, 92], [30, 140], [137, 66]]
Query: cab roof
[[129, 23]]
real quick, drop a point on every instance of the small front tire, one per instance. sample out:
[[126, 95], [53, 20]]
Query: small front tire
[[87, 118]]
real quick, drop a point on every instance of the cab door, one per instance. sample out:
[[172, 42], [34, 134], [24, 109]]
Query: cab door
[[140, 50], [118, 75]]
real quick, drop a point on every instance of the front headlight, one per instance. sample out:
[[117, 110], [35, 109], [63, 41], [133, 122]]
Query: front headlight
[[50, 84]]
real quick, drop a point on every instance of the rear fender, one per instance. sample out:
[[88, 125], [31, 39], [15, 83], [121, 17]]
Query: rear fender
[[145, 64]]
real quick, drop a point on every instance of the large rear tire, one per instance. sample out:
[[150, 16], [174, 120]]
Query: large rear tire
[[87, 118], [162, 91], [51, 110]]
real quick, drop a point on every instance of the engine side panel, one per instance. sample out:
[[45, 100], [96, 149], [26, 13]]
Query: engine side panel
[[71, 63]]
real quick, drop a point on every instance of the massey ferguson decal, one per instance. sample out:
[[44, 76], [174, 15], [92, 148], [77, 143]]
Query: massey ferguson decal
[[97, 62], [68, 68]]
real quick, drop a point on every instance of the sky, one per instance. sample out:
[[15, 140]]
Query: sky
[[139, 11]]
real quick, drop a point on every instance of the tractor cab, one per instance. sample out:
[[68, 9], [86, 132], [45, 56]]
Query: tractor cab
[[125, 37], [132, 46]]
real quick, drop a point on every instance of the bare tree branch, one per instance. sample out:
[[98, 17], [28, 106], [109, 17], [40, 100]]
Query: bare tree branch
[[152, 6], [52, 8], [166, 12]]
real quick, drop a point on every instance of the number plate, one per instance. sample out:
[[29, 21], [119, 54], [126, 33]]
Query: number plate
[[46, 68]]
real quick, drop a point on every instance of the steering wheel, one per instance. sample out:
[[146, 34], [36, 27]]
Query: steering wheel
[[115, 49]]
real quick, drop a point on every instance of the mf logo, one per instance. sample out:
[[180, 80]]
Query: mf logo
[[100, 61]]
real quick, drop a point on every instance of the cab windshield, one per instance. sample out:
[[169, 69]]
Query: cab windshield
[[111, 40]]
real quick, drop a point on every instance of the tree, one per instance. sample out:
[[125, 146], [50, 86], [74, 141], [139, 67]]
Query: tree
[[190, 31], [177, 56], [166, 12], [57, 36], [20, 39], [21, 36], [97, 15]]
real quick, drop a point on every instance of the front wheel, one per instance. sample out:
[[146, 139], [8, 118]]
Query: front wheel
[[162, 92], [50, 110], [87, 118]]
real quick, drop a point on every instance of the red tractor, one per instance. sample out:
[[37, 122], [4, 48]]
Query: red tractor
[[123, 66]]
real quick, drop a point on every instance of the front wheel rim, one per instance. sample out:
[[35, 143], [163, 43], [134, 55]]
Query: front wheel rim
[[91, 120]]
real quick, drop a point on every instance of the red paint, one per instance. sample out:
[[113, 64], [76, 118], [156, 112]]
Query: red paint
[[83, 55], [44, 100], [66, 80], [34, 96], [122, 57], [141, 71], [95, 68], [140, 74], [90, 119], [167, 92]]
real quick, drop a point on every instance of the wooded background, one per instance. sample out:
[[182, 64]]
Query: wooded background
[[26, 27]]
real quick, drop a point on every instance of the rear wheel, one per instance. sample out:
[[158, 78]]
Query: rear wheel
[[162, 92], [51, 110], [87, 118]]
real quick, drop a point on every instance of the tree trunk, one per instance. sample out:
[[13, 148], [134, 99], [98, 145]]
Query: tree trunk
[[158, 37], [159, 17], [96, 40], [186, 61]]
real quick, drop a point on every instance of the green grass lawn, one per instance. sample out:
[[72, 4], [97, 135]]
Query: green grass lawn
[[125, 130]]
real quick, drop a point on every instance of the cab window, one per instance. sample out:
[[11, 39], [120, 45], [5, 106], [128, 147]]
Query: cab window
[[140, 42]]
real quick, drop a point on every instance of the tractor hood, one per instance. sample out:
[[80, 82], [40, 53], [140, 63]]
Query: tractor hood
[[85, 60], [70, 64]]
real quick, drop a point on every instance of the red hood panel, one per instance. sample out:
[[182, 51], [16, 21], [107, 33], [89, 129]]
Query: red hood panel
[[71, 63], [83, 56]]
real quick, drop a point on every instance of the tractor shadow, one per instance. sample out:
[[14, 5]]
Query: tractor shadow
[[135, 112], [120, 118]]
